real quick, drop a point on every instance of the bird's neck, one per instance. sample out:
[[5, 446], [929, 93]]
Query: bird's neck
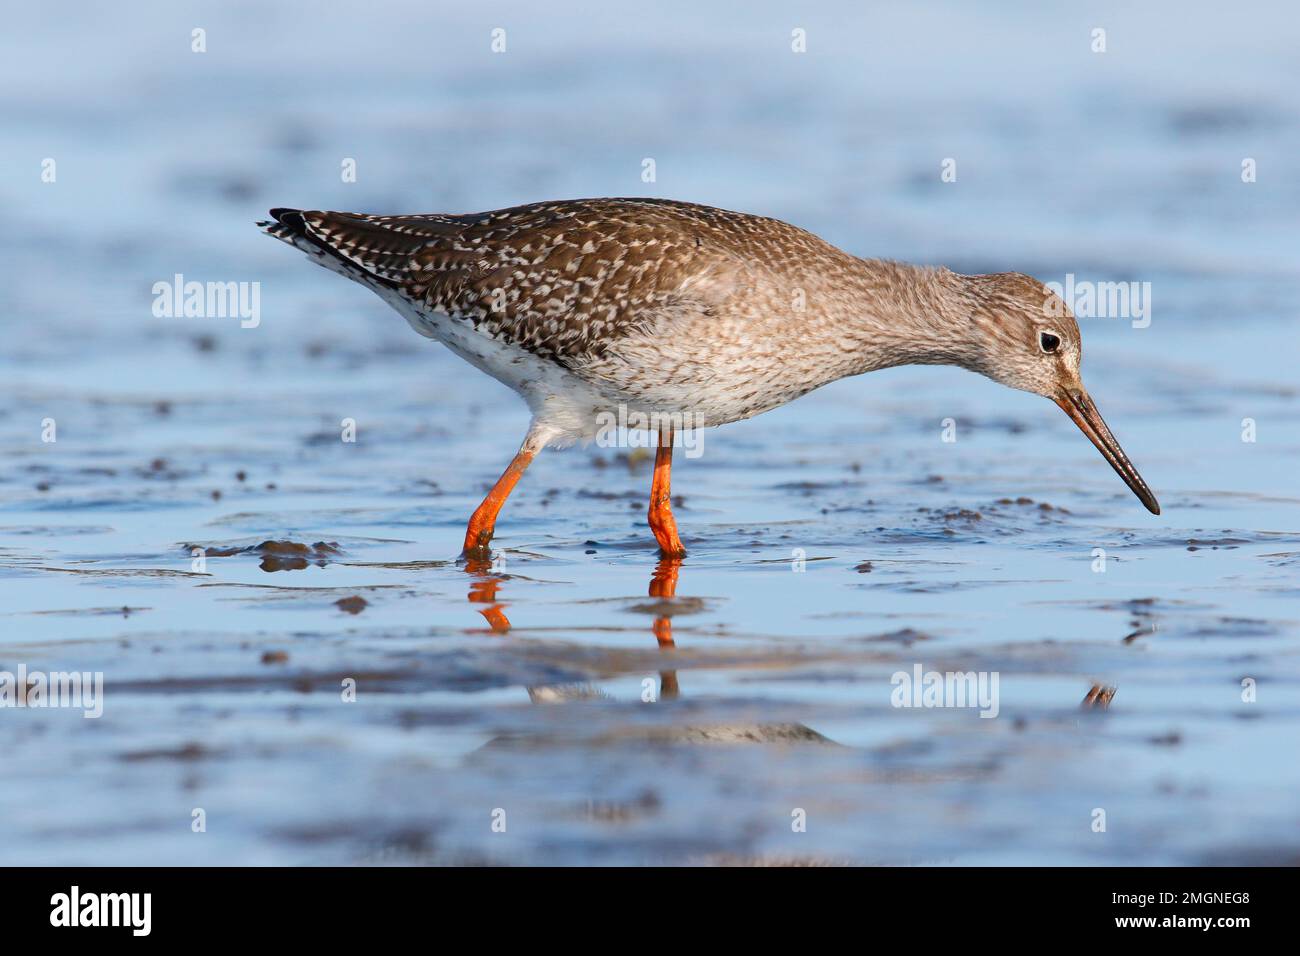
[[909, 315]]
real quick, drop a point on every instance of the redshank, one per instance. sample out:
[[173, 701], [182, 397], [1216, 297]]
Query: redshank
[[668, 312]]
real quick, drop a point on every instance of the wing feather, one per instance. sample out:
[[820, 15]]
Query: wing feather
[[563, 280]]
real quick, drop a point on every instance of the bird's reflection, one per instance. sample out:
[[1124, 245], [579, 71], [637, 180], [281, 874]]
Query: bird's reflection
[[486, 581], [485, 585]]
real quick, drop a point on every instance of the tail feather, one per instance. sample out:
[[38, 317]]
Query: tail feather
[[361, 247]]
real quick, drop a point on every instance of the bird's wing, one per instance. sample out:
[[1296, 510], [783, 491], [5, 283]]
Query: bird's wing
[[563, 280]]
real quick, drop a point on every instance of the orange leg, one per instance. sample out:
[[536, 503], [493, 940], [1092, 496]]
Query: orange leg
[[484, 520], [661, 513]]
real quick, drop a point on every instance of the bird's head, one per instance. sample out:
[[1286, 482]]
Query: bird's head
[[1027, 339]]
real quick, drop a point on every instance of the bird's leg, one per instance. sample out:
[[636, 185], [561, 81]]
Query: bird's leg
[[661, 513], [483, 522]]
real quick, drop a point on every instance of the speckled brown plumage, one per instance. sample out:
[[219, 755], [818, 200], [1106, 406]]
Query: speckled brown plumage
[[564, 279]]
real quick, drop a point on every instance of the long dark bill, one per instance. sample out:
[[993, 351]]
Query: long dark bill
[[1080, 408]]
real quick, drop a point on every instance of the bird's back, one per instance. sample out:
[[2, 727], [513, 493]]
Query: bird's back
[[564, 280]]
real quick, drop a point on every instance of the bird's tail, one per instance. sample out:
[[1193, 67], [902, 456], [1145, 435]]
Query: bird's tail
[[360, 247]]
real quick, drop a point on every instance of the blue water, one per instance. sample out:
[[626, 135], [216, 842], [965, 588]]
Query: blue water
[[222, 686]]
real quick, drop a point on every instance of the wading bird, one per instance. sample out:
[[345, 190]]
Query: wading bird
[[672, 311]]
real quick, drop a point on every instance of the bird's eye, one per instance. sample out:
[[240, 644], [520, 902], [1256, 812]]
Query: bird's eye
[[1048, 342]]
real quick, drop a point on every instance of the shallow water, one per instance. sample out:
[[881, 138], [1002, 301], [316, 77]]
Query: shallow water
[[833, 542]]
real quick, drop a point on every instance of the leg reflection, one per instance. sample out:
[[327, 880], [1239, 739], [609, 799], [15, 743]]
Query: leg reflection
[[483, 590], [1098, 697], [663, 584]]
